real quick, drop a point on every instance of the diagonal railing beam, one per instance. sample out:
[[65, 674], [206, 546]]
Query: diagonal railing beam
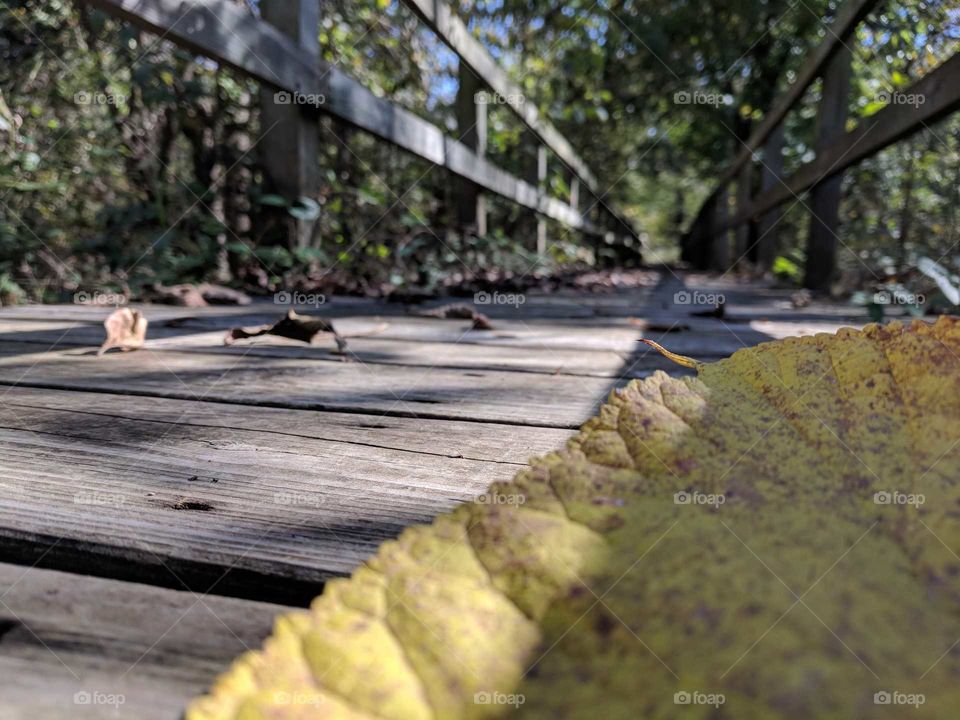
[[230, 35], [936, 94]]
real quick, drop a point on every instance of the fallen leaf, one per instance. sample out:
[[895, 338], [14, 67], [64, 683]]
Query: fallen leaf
[[126, 329], [221, 295], [201, 295], [774, 538], [481, 322], [460, 311], [800, 299], [293, 326], [183, 295]]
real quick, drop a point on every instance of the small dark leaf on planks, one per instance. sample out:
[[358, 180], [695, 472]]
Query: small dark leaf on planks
[[293, 326], [460, 311], [202, 295]]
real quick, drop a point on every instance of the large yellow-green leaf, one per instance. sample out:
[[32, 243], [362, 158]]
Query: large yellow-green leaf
[[777, 537]]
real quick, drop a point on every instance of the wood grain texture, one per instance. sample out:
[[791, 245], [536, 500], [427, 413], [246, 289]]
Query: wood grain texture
[[258, 503], [490, 442], [560, 401], [73, 646], [263, 469], [369, 351]]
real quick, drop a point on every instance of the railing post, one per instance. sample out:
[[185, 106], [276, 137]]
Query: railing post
[[769, 177], [706, 236], [575, 192], [471, 111], [595, 216], [825, 196], [720, 246], [574, 198], [691, 240], [541, 183], [289, 146], [743, 197], [609, 240]]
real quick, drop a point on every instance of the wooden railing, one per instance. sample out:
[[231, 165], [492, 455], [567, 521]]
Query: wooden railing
[[707, 245], [280, 50]]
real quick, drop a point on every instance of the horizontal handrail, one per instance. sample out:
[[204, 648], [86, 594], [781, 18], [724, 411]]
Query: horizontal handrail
[[850, 15], [230, 35], [453, 31], [940, 93]]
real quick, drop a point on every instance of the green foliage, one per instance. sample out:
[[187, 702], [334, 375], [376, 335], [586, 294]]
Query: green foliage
[[787, 269], [124, 160]]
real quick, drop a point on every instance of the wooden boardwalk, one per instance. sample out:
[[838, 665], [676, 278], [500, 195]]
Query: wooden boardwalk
[[158, 506]]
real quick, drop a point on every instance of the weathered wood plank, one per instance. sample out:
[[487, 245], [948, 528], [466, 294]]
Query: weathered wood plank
[[164, 491], [73, 646], [370, 351], [534, 306], [493, 443], [562, 401], [600, 346], [606, 314], [625, 358]]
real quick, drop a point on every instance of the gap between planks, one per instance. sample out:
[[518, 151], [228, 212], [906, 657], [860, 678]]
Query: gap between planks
[[64, 637], [501, 397], [163, 491]]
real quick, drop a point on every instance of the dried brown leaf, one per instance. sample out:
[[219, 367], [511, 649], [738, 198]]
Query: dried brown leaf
[[460, 311], [126, 329], [293, 326]]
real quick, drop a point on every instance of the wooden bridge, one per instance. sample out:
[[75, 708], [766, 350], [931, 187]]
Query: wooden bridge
[[159, 507]]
